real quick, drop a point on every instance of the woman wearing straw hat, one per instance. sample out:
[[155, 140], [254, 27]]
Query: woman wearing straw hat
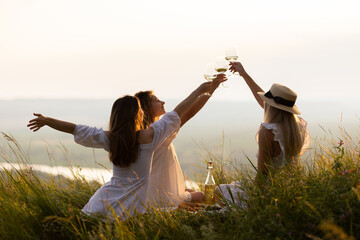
[[282, 137]]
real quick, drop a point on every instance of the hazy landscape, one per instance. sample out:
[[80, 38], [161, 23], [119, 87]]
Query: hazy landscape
[[235, 123]]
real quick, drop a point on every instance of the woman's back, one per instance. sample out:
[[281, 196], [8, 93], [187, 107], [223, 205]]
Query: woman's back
[[276, 134], [128, 189]]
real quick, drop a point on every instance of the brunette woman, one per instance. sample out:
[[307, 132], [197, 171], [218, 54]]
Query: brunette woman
[[131, 149]]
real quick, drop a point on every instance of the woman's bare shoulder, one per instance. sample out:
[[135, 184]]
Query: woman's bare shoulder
[[266, 134], [146, 136]]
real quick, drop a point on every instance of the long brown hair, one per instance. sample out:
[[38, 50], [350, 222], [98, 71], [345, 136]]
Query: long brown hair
[[145, 101], [125, 121], [292, 133]]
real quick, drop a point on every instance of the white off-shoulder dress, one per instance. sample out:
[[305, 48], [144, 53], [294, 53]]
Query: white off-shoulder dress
[[130, 189], [167, 179], [234, 192]]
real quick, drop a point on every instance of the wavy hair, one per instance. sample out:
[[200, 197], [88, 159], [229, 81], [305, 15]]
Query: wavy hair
[[145, 101], [125, 122], [292, 133]]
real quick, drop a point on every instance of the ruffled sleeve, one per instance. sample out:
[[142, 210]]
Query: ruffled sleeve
[[275, 130], [168, 125], [306, 135], [277, 134], [91, 137]]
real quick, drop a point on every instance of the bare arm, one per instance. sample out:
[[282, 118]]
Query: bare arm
[[265, 152], [193, 102], [202, 100], [238, 67], [188, 107], [40, 121]]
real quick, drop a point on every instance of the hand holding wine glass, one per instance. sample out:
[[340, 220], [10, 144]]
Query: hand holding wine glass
[[231, 55], [220, 78], [209, 74], [207, 88], [221, 65], [237, 67]]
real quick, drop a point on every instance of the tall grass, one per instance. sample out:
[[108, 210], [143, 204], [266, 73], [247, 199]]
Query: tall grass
[[319, 201]]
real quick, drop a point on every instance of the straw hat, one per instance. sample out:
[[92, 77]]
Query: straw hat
[[281, 97]]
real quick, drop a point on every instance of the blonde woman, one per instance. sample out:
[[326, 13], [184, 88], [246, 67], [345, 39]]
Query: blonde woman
[[282, 137]]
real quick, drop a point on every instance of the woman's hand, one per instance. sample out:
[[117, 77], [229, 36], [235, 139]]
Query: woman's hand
[[37, 123], [210, 87], [204, 88], [237, 67], [196, 100], [220, 78]]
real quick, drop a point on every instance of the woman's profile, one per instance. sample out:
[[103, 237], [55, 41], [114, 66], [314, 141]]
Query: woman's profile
[[167, 171]]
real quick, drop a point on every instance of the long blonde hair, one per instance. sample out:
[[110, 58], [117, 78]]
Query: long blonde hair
[[125, 121], [293, 135]]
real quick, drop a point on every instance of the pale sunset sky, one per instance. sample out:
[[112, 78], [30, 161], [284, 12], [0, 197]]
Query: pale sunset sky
[[105, 49]]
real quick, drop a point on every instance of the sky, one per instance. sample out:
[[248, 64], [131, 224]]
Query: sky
[[106, 49]]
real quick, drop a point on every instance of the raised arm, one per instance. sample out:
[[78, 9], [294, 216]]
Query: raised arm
[[202, 99], [40, 121], [192, 104], [238, 67]]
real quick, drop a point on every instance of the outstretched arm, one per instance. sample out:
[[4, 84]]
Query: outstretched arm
[[193, 103], [202, 100], [238, 67], [40, 121]]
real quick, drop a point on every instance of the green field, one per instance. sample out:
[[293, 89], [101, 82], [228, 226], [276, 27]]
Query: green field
[[321, 200]]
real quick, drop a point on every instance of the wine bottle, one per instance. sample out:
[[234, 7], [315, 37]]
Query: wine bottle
[[209, 185]]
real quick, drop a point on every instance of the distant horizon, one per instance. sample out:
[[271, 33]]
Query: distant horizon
[[237, 121], [251, 99]]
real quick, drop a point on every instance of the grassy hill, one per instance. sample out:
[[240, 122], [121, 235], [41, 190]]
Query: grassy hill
[[321, 200]]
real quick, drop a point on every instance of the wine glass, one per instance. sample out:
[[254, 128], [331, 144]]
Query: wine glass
[[231, 55], [221, 66], [209, 74]]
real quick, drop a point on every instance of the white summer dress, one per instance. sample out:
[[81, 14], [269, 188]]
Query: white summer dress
[[167, 179], [130, 188], [233, 192]]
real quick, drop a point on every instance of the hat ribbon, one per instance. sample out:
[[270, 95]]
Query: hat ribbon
[[280, 100]]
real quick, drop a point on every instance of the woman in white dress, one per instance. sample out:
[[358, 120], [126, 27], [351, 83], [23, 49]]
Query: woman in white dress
[[169, 176], [131, 150], [282, 137]]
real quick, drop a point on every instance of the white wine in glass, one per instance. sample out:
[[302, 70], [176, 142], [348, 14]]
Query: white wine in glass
[[209, 74], [221, 66], [231, 54], [231, 58], [221, 70]]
